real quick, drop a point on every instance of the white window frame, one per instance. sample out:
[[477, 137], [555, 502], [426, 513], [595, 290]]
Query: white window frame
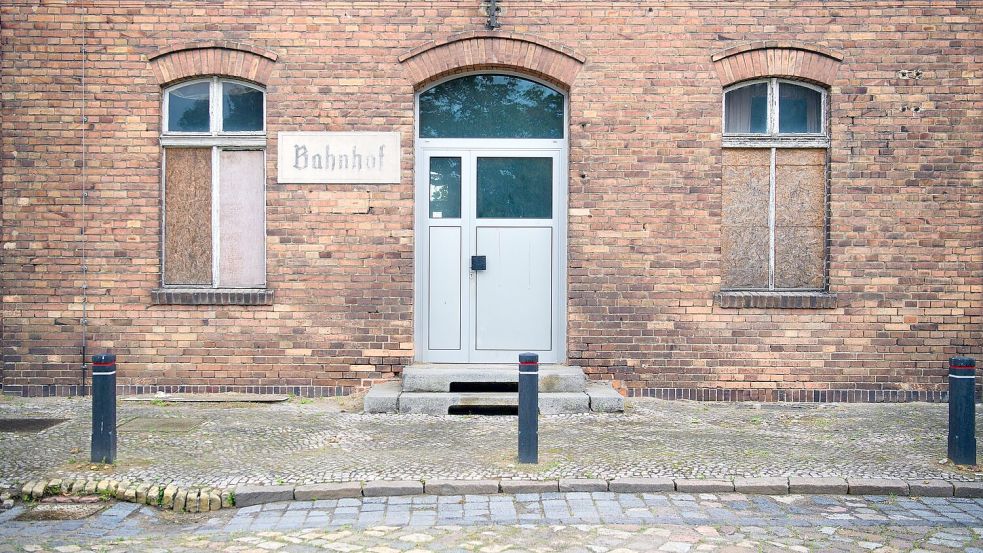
[[217, 140], [773, 140]]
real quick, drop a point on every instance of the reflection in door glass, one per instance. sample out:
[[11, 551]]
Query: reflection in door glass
[[515, 187], [491, 106], [445, 188]]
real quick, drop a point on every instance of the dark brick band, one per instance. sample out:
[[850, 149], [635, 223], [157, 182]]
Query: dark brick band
[[793, 395], [51, 390]]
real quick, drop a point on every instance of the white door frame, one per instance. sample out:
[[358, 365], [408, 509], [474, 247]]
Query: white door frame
[[426, 147]]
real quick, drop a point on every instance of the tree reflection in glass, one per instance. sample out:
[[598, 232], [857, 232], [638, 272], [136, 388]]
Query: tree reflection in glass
[[491, 106], [445, 187], [515, 187]]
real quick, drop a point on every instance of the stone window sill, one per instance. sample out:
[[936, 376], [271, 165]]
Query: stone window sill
[[211, 296], [775, 300]]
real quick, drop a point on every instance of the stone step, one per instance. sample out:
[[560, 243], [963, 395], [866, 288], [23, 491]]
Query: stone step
[[422, 377], [439, 403]]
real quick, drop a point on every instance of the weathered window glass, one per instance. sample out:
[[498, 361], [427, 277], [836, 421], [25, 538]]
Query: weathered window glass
[[491, 106], [242, 108], [746, 110], [445, 187], [799, 109], [515, 187], [187, 108]]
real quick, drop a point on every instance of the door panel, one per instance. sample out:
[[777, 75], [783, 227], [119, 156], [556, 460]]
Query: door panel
[[445, 288], [513, 296]]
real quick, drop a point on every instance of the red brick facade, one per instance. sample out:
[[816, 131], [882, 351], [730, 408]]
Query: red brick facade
[[645, 84]]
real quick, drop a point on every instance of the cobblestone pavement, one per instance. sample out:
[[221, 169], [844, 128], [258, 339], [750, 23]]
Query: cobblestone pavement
[[582, 522], [311, 441]]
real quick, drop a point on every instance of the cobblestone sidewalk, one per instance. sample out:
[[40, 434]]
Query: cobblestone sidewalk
[[311, 441], [574, 522]]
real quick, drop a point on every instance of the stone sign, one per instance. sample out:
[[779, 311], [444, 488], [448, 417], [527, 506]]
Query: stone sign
[[338, 157]]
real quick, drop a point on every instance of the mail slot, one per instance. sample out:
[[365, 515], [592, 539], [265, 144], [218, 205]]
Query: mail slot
[[478, 263]]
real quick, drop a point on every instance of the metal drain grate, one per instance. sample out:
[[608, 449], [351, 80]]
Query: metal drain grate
[[28, 425]]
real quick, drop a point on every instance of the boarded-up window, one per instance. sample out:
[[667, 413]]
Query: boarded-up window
[[242, 238], [188, 216], [773, 223], [214, 230], [780, 249]]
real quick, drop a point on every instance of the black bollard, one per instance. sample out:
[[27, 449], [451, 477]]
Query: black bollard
[[104, 408], [528, 408], [962, 410]]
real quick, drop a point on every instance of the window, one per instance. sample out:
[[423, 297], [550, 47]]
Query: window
[[491, 106], [214, 179], [774, 186]]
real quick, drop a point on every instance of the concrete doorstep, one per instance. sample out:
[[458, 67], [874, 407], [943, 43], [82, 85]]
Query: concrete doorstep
[[194, 499]]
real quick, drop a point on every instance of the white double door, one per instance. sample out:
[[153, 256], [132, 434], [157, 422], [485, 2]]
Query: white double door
[[490, 248]]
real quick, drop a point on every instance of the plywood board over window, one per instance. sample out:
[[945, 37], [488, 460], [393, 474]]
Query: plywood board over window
[[242, 248], [800, 199], [188, 216]]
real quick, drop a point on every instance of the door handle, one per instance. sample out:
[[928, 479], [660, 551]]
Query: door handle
[[478, 263]]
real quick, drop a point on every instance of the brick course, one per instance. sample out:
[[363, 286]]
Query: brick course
[[905, 237]]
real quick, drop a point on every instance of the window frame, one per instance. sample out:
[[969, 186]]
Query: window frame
[[773, 141], [218, 141], [215, 108], [773, 138]]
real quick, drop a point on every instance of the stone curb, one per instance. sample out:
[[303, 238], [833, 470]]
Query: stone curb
[[194, 499], [203, 499]]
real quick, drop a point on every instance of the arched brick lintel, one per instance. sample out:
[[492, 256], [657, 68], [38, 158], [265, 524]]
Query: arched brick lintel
[[492, 50], [229, 59], [776, 59]]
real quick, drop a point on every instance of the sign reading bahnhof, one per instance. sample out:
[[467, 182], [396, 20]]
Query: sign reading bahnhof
[[338, 157]]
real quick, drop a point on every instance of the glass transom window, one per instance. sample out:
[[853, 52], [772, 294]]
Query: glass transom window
[[773, 107], [214, 106], [491, 106]]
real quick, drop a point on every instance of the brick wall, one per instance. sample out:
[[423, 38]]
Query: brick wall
[[905, 236]]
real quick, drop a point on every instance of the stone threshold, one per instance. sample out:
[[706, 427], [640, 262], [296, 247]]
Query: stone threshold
[[203, 499]]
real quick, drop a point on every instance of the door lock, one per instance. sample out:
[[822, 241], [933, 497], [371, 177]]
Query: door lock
[[478, 263]]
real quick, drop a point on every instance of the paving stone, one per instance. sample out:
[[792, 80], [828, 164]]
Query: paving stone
[[460, 487], [877, 486], [214, 500], [255, 495], [968, 489], [169, 492], [694, 485], [529, 486], [141, 495], [328, 491], [381, 488], [930, 488], [583, 485], [180, 499], [641, 485], [810, 485], [153, 494], [763, 485]]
